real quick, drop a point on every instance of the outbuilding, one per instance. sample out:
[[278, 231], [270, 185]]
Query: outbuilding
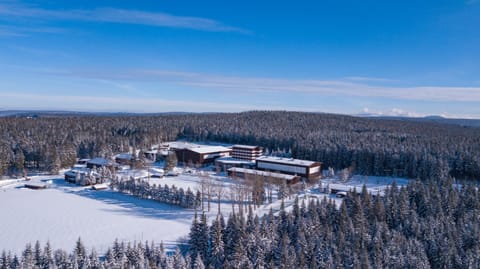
[[277, 178]]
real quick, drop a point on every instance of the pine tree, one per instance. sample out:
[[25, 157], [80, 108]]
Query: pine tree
[[37, 254], [110, 261], [28, 260], [47, 258], [216, 245], [80, 252], [5, 260], [198, 263], [94, 261], [178, 260], [61, 258]]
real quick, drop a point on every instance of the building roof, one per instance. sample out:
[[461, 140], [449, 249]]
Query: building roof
[[289, 161], [245, 147], [209, 149], [262, 173], [36, 185], [76, 169], [179, 145], [358, 189], [79, 170], [124, 156], [100, 161]]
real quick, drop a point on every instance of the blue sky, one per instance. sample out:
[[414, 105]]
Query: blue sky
[[409, 58]]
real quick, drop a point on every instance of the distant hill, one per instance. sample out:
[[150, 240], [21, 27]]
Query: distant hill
[[433, 118], [61, 113]]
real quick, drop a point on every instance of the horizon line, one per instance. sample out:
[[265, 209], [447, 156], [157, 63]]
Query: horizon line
[[360, 114]]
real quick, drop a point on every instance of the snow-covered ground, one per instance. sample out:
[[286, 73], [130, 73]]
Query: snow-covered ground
[[64, 212]]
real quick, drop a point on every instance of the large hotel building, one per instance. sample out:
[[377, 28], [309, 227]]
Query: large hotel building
[[244, 152]]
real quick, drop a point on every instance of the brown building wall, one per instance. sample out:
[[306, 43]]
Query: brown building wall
[[276, 180], [188, 156]]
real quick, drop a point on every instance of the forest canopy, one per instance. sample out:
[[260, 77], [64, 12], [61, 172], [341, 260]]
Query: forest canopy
[[369, 146]]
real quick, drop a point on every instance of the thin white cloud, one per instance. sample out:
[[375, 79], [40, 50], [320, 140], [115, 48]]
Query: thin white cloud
[[39, 52], [397, 112], [114, 15], [234, 84], [274, 85], [370, 79], [123, 86], [9, 30], [123, 104], [394, 112]]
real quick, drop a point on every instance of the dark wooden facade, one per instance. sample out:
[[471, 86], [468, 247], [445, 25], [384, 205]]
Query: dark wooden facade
[[276, 178], [200, 157]]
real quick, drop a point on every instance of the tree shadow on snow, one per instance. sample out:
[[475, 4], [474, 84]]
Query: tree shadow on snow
[[129, 205]]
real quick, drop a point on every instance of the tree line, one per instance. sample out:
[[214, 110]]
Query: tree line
[[368, 146], [164, 194], [423, 225]]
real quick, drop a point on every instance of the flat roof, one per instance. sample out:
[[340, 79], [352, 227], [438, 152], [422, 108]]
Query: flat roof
[[290, 161], [179, 145], [262, 173], [36, 185], [245, 146], [125, 156], [209, 149], [100, 161], [81, 170], [358, 189]]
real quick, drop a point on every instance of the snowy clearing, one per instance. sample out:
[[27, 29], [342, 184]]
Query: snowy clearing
[[65, 212]]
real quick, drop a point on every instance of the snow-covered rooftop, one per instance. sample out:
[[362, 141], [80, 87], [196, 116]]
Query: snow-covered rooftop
[[76, 169], [290, 161], [347, 187], [209, 149], [36, 185], [179, 145], [124, 156], [80, 166], [100, 161], [261, 173], [137, 174]]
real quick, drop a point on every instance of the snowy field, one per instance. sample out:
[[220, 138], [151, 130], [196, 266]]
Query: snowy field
[[64, 212]]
